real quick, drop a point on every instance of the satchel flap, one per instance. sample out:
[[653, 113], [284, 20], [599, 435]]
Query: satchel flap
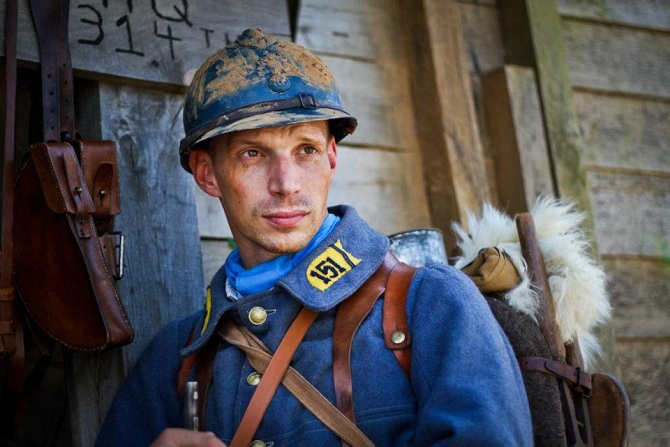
[[61, 178], [100, 167]]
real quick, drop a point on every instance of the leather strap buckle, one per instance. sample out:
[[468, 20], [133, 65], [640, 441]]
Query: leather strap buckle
[[578, 379]]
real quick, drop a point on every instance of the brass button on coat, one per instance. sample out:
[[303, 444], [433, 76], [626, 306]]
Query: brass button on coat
[[254, 378], [398, 337], [257, 443], [258, 315]]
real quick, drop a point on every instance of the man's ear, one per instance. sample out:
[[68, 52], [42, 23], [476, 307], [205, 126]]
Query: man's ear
[[202, 168], [332, 153]]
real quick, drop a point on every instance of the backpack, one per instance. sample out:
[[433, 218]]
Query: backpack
[[568, 405]]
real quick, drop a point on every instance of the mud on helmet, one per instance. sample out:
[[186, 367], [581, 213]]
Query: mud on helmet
[[260, 81]]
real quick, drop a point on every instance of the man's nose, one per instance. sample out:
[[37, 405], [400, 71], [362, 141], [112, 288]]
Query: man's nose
[[284, 176]]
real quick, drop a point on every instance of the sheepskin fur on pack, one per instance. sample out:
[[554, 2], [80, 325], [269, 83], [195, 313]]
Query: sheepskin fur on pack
[[577, 282]]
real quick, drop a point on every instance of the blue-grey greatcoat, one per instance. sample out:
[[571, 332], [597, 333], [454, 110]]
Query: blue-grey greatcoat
[[465, 387]]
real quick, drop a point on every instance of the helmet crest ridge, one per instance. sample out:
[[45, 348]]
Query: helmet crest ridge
[[260, 81]]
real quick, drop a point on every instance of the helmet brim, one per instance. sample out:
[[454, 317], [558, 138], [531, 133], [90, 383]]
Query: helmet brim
[[276, 119], [341, 124]]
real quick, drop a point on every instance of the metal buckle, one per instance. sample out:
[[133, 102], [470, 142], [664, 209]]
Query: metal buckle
[[119, 251]]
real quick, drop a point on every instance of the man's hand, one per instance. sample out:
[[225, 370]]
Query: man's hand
[[181, 437]]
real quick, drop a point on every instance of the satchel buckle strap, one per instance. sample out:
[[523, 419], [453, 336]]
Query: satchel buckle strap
[[578, 379], [80, 195], [113, 247]]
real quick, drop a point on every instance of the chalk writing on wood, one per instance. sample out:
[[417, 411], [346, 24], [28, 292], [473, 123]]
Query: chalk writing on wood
[[153, 40]]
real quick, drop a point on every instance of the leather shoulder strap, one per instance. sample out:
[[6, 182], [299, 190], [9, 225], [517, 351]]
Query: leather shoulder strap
[[396, 330], [272, 377], [202, 363], [392, 279], [51, 25], [7, 315], [350, 315], [260, 356]]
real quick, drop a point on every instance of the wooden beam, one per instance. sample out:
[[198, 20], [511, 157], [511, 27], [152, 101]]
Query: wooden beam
[[453, 159], [533, 37], [514, 120]]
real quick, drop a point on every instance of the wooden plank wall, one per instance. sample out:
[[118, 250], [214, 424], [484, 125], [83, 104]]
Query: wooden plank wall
[[619, 61], [618, 58]]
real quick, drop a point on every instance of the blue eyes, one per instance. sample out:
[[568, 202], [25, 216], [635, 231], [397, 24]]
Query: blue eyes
[[251, 153]]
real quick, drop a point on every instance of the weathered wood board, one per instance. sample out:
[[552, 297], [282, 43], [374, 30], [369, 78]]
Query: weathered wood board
[[379, 97], [352, 28], [533, 37], [212, 221], [454, 89], [157, 41], [640, 291], [624, 132], [641, 13], [516, 130], [618, 54], [646, 375], [631, 212], [214, 254], [446, 123], [482, 38], [613, 58], [384, 187], [367, 58]]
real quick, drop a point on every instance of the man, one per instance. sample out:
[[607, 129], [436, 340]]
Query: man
[[262, 120]]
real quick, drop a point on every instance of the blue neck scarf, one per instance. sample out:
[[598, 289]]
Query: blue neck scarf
[[265, 275]]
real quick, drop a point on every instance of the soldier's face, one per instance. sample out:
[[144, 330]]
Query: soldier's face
[[273, 184]]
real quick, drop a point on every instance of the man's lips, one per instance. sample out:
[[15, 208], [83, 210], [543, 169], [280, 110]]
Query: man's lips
[[285, 219]]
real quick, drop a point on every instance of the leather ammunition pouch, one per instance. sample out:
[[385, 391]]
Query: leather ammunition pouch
[[66, 255]]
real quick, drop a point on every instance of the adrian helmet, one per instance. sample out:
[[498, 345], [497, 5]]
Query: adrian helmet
[[260, 81]]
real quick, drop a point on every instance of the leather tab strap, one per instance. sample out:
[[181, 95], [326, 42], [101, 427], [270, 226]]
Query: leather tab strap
[[574, 376], [65, 77], [203, 364], [272, 377], [350, 315], [100, 167], [81, 198], [204, 374], [396, 330]]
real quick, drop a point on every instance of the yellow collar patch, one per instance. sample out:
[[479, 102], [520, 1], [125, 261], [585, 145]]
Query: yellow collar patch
[[208, 310], [331, 265]]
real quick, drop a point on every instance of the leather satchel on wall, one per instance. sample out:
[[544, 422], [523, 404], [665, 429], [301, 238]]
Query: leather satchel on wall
[[65, 251], [66, 255]]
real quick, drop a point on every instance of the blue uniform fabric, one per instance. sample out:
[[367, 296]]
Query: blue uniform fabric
[[465, 388]]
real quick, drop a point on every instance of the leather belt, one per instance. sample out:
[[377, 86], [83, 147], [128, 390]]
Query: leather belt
[[51, 25]]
